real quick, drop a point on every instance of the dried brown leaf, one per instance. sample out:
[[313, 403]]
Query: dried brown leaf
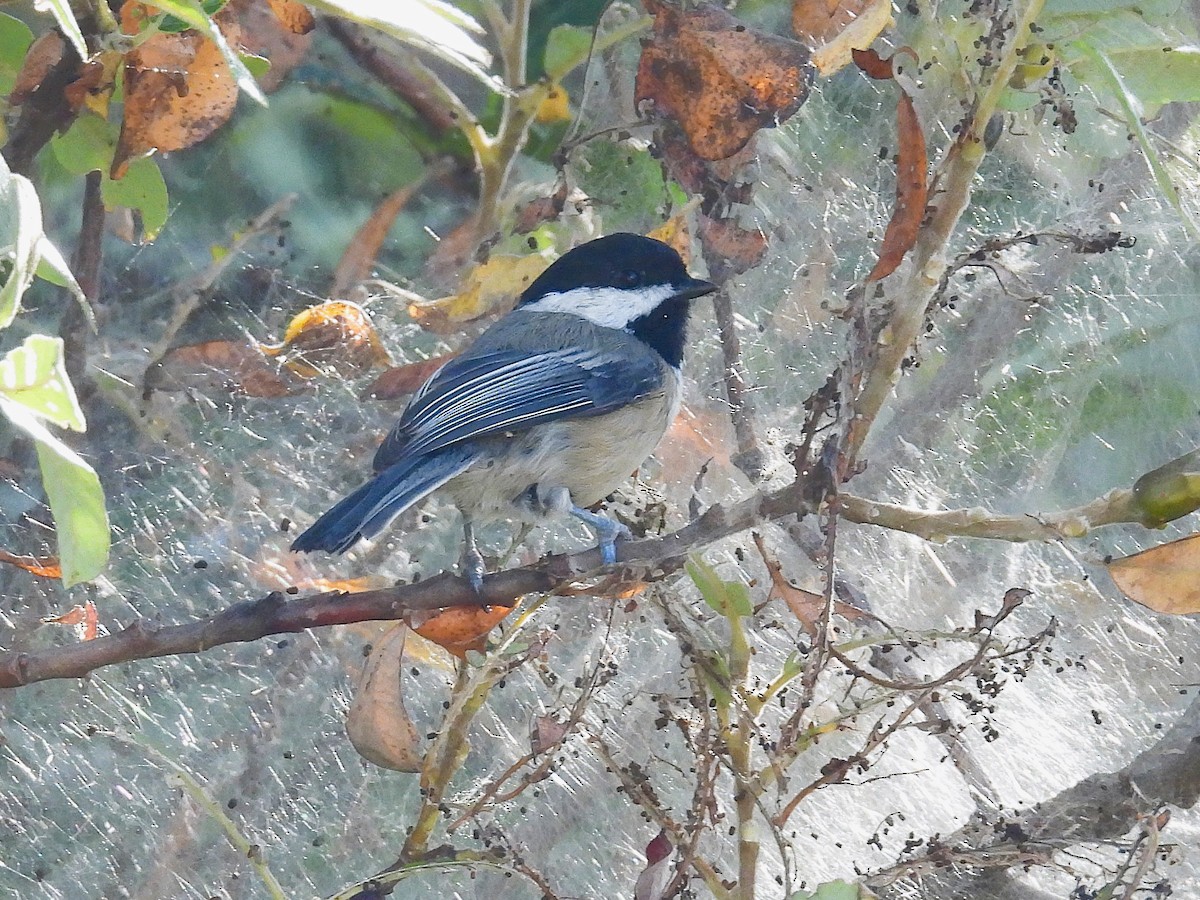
[[178, 89], [912, 191], [1165, 578], [233, 367], [377, 723], [721, 80], [42, 566], [359, 257], [400, 381]]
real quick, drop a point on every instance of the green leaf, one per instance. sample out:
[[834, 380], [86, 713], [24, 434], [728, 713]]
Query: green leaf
[[88, 146], [61, 10], [729, 598], [258, 66], [76, 499], [34, 376], [1131, 107], [20, 240], [192, 12], [53, 268], [431, 25], [15, 38], [566, 47], [142, 189]]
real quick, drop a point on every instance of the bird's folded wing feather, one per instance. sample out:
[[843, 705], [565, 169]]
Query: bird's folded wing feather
[[492, 393]]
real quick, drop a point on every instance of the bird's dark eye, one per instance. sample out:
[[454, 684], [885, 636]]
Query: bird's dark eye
[[631, 278]]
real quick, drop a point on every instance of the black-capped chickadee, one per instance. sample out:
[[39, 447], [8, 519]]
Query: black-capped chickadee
[[548, 411]]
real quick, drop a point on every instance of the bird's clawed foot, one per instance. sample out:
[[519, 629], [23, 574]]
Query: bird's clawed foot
[[607, 532], [471, 565]]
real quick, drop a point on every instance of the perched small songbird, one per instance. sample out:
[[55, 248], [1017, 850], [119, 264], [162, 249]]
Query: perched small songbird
[[548, 411]]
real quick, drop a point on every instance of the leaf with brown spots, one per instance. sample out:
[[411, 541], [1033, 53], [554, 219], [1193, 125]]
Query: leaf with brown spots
[[400, 381], [178, 89], [721, 80], [912, 191], [334, 335], [1165, 578]]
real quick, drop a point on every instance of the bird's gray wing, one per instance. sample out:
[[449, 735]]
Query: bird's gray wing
[[477, 395]]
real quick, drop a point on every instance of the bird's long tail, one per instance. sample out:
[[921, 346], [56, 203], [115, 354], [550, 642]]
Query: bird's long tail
[[366, 511]]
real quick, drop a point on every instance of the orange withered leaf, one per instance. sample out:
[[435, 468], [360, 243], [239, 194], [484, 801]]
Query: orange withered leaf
[[462, 628], [42, 566], [912, 191], [359, 256], [84, 618], [295, 17], [178, 89], [1165, 578], [721, 80]]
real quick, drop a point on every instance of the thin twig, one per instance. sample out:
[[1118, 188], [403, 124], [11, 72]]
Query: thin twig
[[190, 293], [749, 457]]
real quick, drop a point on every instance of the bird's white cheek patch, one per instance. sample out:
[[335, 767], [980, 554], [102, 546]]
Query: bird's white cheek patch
[[607, 307]]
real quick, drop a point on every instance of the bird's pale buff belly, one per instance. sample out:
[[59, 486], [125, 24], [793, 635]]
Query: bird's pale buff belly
[[599, 454]]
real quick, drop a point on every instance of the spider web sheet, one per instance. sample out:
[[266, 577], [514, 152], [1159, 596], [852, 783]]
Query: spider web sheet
[[1048, 378]]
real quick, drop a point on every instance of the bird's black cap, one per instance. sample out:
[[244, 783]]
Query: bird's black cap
[[622, 261]]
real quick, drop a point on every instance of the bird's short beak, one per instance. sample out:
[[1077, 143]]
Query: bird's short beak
[[693, 288]]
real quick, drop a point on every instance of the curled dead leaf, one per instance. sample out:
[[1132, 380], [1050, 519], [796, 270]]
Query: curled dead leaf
[[378, 725], [912, 191], [335, 335], [83, 618], [721, 80], [41, 57], [839, 27], [358, 259], [1165, 578]]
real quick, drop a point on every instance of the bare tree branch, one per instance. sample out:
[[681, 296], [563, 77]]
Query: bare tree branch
[[648, 560]]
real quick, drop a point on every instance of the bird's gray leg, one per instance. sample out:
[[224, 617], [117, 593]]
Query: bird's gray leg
[[607, 531], [472, 559]]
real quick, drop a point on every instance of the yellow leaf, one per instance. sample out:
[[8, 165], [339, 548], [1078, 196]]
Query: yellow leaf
[[858, 35], [492, 286], [556, 107]]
